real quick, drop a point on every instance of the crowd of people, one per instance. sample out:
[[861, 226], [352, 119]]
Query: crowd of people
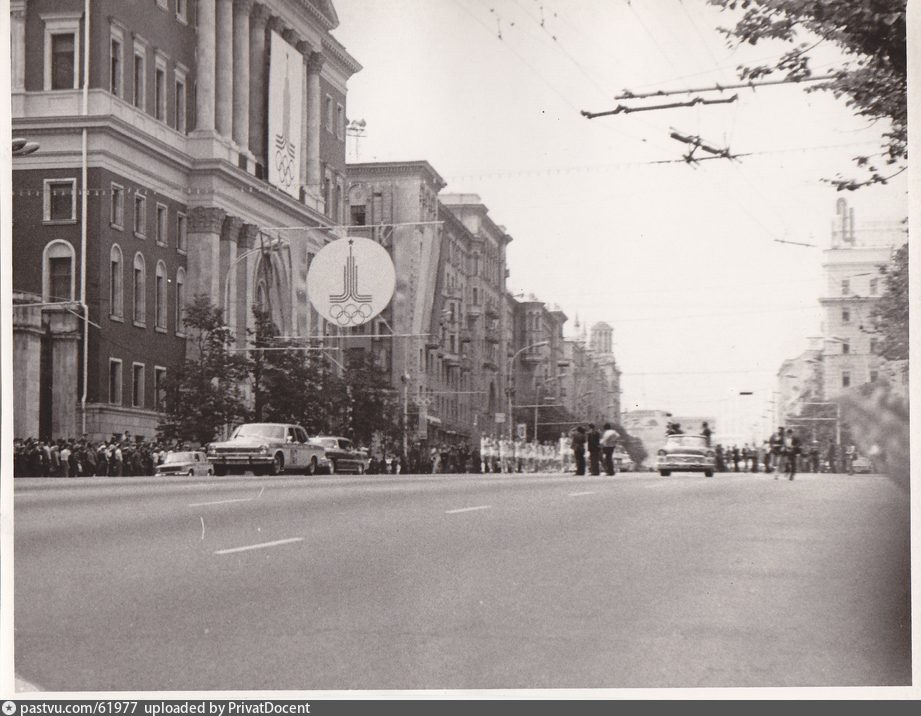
[[119, 455], [784, 452]]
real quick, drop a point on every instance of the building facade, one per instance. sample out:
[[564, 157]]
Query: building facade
[[207, 126]]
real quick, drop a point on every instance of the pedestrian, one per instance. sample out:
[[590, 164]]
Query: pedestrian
[[832, 456], [777, 451], [706, 432], [735, 457], [608, 443], [850, 454], [594, 449], [793, 449], [577, 444]]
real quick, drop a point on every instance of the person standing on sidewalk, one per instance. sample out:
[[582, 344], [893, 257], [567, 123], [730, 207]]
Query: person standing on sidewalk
[[594, 450], [578, 449], [793, 449], [608, 443]]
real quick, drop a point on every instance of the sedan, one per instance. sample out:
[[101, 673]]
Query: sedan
[[191, 462]]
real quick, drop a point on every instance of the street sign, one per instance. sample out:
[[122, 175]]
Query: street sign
[[500, 417], [351, 281], [522, 430]]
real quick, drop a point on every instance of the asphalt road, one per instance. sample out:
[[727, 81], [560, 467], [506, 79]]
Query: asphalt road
[[471, 582]]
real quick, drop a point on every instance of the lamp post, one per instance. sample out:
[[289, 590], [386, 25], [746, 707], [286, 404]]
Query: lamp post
[[509, 379], [22, 147]]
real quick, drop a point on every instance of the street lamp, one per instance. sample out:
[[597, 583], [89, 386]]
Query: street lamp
[[22, 147], [508, 381]]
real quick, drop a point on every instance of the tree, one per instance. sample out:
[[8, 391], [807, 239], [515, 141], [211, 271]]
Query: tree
[[872, 76], [204, 393], [371, 404], [890, 315]]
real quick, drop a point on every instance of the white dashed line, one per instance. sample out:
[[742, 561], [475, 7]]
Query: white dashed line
[[221, 502], [468, 509], [579, 494], [263, 545]]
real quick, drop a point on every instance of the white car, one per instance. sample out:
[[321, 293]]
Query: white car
[[185, 462], [272, 448], [685, 453]]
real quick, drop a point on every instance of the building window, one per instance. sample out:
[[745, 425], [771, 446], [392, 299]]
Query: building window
[[181, 228], [140, 215], [340, 121], [179, 122], [161, 296], [358, 216], [845, 287], [845, 347], [115, 62], [58, 279], [874, 376], [140, 100], [845, 315], [62, 50], [874, 286], [182, 12], [139, 292], [160, 90], [845, 379], [159, 388], [180, 301], [59, 200], [117, 213], [162, 216], [329, 113], [116, 290], [115, 381], [137, 385]]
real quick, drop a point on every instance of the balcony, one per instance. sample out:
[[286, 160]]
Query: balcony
[[492, 337], [490, 364], [492, 311], [474, 311], [452, 360], [466, 335]]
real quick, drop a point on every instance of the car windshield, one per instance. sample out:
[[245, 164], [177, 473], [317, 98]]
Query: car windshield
[[260, 430], [694, 441], [327, 442], [180, 457]]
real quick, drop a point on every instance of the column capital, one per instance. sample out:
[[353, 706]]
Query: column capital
[[305, 48], [243, 7], [276, 24], [259, 15], [315, 62], [230, 229], [248, 236], [206, 220], [290, 36], [18, 9]]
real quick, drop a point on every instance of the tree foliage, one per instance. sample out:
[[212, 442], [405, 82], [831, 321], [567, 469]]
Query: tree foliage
[[204, 393], [890, 315], [371, 403], [872, 77]]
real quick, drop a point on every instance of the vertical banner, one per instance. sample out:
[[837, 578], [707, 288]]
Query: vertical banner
[[286, 103]]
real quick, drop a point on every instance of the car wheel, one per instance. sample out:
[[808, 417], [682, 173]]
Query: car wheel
[[191, 472], [332, 467], [220, 471], [312, 467], [665, 473], [210, 471], [708, 473], [361, 469], [278, 464]]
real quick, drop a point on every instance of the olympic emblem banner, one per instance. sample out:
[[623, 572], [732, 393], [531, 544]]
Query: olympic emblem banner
[[286, 103], [351, 281]]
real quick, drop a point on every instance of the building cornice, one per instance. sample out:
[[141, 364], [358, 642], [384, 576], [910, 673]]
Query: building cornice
[[333, 49]]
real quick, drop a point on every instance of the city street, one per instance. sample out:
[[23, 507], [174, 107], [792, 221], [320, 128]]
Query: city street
[[470, 581]]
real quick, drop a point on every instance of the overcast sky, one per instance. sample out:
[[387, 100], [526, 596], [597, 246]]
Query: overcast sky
[[681, 260]]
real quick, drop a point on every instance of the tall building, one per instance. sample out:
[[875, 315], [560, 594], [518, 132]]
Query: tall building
[[853, 285], [206, 126], [799, 381], [601, 342]]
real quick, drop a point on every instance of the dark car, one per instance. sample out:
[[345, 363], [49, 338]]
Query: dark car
[[342, 455]]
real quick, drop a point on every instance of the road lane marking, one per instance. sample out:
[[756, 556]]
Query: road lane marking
[[202, 527], [263, 545], [221, 502], [468, 509], [579, 494]]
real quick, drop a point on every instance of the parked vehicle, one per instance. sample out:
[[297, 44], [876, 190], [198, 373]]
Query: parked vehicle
[[861, 464], [342, 455], [271, 448], [187, 462], [685, 453]]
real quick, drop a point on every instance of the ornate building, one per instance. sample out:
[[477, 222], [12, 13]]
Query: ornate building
[[173, 163]]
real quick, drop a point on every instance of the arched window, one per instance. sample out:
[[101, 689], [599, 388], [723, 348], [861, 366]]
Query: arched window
[[58, 272], [116, 287], [140, 289], [180, 300], [161, 296]]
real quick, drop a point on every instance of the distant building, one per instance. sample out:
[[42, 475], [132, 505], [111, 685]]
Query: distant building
[[601, 342]]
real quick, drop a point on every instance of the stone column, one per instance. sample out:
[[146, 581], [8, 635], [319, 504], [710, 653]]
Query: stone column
[[223, 71], [18, 48], [248, 240], [305, 49], [203, 262], [204, 88], [27, 351], [230, 231], [64, 328], [241, 60], [258, 82], [314, 112]]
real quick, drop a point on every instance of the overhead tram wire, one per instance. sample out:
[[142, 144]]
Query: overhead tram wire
[[751, 84]]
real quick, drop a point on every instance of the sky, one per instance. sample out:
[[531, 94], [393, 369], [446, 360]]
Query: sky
[[683, 261]]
